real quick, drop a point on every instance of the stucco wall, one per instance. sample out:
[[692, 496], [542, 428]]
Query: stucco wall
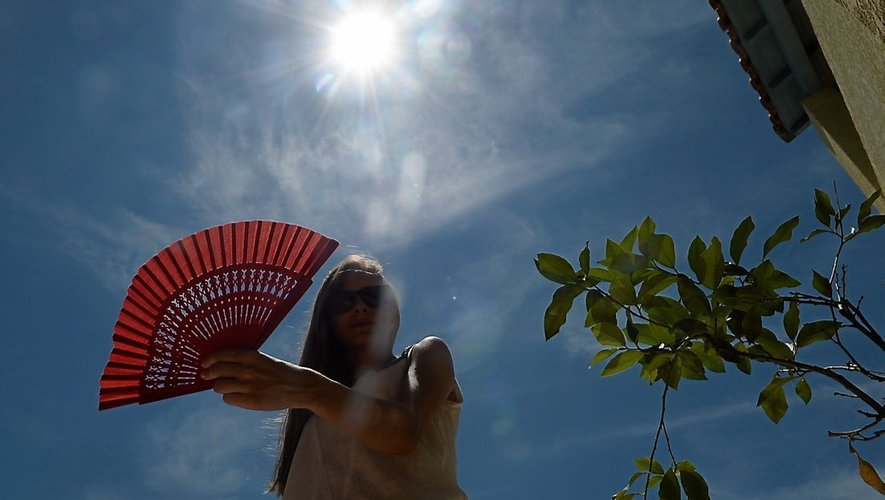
[[851, 36], [869, 12]]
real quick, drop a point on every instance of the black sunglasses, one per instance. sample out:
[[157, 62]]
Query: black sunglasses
[[341, 301]]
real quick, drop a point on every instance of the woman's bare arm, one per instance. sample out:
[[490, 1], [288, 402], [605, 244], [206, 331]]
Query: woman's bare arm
[[253, 380]]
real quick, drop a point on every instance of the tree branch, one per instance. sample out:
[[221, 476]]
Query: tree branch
[[853, 314], [651, 458], [840, 379], [858, 433]]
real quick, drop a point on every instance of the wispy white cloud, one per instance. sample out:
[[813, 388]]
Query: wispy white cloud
[[477, 113], [843, 484], [584, 440], [111, 247], [489, 290], [200, 450]]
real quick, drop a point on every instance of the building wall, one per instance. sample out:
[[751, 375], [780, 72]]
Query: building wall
[[852, 37], [870, 12]]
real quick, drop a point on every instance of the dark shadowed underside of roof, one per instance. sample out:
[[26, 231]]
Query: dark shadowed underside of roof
[[777, 48]]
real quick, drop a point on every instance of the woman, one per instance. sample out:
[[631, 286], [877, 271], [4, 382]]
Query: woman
[[361, 422]]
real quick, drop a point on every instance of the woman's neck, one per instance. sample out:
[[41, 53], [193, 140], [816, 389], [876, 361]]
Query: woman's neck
[[365, 361]]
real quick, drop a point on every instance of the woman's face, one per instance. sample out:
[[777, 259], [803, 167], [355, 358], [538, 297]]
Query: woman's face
[[363, 314]]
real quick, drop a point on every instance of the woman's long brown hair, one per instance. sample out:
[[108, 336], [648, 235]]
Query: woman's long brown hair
[[323, 352]]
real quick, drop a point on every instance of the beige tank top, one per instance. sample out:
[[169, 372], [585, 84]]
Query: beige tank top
[[330, 464]]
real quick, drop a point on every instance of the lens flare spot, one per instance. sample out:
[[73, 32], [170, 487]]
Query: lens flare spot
[[324, 82]]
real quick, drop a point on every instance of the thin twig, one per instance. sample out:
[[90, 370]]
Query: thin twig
[[858, 432], [667, 440], [651, 458], [845, 395], [859, 321], [837, 377]]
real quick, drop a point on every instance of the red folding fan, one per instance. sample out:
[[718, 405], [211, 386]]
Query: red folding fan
[[224, 287]]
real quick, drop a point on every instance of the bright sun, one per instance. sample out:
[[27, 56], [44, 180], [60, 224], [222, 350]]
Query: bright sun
[[364, 42]]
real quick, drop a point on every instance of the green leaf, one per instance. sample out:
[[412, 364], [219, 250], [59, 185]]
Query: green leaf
[[783, 233], [612, 250], [670, 487], [695, 258], [624, 495], [628, 263], [584, 258], [630, 328], [646, 231], [735, 270], [558, 309], [666, 254], [739, 239], [769, 342], [645, 465], [791, 320], [773, 400], [692, 297], [602, 355], [714, 264], [867, 206], [653, 362], [815, 332], [767, 277], [609, 334], [644, 336], [555, 268], [691, 365], [655, 283], [621, 362], [823, 209], [671, 372], [690, 327], [694, 485], [622, 290], [591, 298], [684, 466], [657, 247], [803, 390], [600, 274], [742, 362], [634, 477], [629, 240], [710, 358], [870, 223], [751, 325], [661, 335], [744, 365], [821, 284], [813, 233], [664, 310], [600, 309]]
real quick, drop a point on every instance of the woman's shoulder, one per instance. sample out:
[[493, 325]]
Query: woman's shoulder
[[430, 349], [432, 358]]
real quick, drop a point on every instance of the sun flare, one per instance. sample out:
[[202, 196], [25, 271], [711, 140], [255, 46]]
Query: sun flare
[[364, 42]]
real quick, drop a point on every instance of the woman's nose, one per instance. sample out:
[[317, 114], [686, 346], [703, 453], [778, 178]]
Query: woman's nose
[[359, 304]]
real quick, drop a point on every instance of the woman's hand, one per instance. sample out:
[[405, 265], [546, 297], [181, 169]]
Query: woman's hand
[[255, 381]]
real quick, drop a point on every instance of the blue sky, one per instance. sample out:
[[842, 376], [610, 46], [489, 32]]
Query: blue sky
[[508, 128]]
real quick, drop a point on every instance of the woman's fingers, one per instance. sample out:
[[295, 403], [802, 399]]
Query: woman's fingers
[[227, 386], [241, 400], [255, 399], [224, 369], [231, 356], [253, 380]]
